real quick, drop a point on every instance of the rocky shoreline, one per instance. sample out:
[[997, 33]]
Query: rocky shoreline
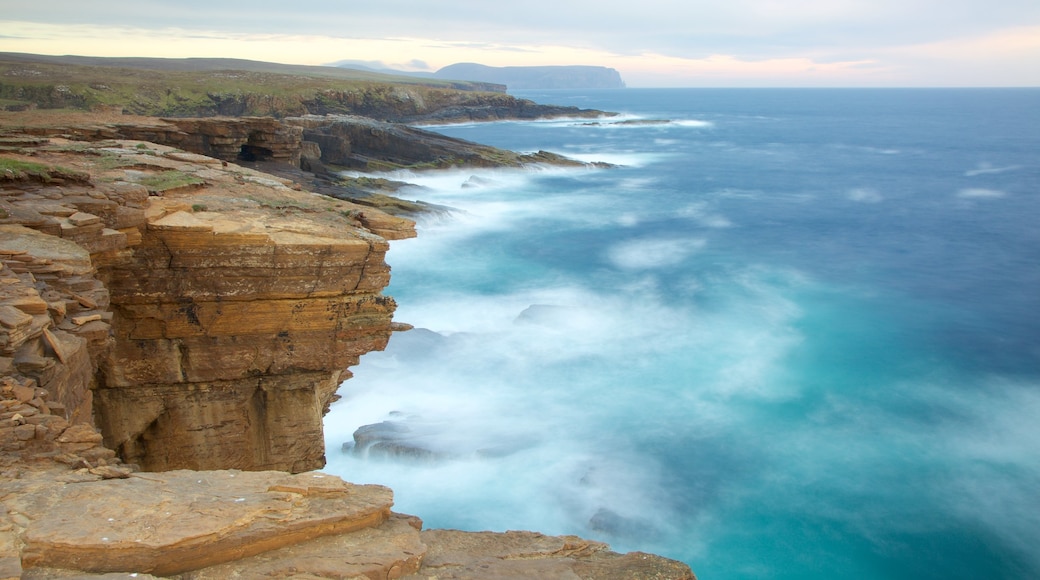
[[174, 324]]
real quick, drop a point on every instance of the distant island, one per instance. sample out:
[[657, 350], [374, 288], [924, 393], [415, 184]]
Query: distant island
[[515, 77]]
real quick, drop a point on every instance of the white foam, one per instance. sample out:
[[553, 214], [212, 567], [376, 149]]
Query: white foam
[[987, 168], [864, 195], [980, 193], [631, 159], [695, 123], [653, 253], [702, 215]]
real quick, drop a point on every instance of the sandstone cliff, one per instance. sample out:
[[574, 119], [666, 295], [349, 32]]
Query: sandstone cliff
[[233, 304]]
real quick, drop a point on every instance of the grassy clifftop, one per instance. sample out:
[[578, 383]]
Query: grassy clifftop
[[206, 87]]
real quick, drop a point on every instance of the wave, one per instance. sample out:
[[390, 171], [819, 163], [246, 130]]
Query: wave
[[987, 168], [980, 193]]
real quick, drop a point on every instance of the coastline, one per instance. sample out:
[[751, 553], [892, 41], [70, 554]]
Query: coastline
[[76, 356]]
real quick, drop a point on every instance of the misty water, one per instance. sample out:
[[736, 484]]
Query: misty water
[[794, 334]]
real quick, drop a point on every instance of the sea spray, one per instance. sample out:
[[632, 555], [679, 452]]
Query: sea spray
[[791, 335]]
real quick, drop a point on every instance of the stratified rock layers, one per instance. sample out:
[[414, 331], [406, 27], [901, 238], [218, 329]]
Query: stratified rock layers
[[229, 345], [227, 305]]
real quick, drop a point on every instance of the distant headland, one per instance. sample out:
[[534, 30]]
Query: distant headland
[[515, 77]]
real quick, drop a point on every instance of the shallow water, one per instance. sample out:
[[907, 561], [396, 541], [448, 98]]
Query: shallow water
[[796, 334]]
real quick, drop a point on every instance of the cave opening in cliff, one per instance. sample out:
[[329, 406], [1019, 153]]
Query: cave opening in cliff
[[250, 152]]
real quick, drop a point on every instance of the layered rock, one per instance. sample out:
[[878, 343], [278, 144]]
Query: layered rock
[[371, 145], [227, 138], [219, 306]]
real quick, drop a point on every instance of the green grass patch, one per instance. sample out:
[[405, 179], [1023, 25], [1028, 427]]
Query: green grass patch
[[16, 170], [167, 180]]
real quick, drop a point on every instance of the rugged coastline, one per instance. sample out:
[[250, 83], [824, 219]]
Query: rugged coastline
[[175, 323]]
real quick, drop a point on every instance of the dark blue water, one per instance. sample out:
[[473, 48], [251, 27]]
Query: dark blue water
[[795, 334]]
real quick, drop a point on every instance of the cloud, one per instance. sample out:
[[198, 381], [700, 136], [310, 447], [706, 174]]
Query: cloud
[[672, 42]]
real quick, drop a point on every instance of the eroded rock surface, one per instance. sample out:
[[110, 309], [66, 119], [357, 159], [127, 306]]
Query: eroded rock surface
[[207, 312], [172, 522]]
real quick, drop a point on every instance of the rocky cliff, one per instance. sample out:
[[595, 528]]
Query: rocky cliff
[[203, 88], [230, 304], [187, 316]]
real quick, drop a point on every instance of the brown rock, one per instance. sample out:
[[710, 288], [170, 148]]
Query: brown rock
[[12, 317], [168, 523], [80, 433], [23, 394], [25, 432], [485, 555], [83, 219], [390, 551], [81, 320]]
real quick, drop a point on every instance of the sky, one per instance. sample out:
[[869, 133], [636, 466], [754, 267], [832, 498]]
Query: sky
[[652, 43]]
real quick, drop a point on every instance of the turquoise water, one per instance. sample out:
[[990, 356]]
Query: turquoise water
[[795, 334]]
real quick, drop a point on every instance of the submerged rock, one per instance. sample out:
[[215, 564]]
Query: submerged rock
[[389, 439]]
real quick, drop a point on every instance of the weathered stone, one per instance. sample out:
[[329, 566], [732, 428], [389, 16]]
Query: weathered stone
[[83, 219], [57, 344], [12, 317], [172, 522], [391, 550], [81, 320], [31, 304], [471, 556], [80, 433], [23, 394], [24, 432]]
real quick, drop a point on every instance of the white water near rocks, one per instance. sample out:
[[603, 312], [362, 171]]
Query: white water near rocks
[[794, 335]]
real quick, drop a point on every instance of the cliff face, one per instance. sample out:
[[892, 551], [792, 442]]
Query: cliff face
[[367, 144], [232, 336], [227, 305]]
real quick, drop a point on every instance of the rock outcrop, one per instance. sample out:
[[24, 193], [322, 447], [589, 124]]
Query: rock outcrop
[[172, 312], [221, 308], [228, 138], [370, 145]]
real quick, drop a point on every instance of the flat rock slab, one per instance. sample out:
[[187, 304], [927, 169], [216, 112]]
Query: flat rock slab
[[390, 551], [176, 521], [459, 555]]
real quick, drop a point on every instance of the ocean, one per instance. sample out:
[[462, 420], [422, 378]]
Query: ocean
[[794, 333]]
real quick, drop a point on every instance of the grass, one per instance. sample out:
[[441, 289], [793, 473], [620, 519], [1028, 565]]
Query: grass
[[16, 169], [167, 180]]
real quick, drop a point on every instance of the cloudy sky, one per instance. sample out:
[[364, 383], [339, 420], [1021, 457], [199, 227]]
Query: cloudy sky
[[653, 43]]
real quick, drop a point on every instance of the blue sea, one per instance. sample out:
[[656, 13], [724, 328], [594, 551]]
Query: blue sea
[[794, 333]]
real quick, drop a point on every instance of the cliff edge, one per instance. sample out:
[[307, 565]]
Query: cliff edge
[[173, 327]]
